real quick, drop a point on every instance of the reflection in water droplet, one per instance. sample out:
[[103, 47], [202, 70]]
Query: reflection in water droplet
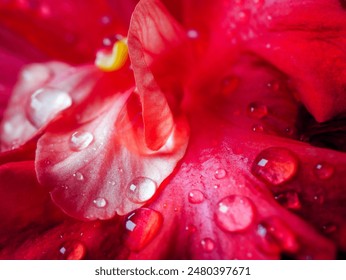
[[73, 250], [275, 166], [208, 244], [257, 110], [80, 140], [234, 213], [196, 197], [45, 104], [289, 199], [142, 226], [324, 170], [220, 173], [79, 176], [274, 235], [141, 190], [100, 202]]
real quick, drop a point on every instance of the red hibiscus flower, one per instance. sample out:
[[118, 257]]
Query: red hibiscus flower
[[193, 130]]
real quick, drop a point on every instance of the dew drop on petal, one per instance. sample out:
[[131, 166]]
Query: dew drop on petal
[[208, 244], [275, 165], [73, 250], [80, 140], [141, 190], [234, 213], [192, 34], [257, 128], [142, 226], [220, 173], [324, 170], [329, 228], [190, 228], [274, 235], [196, 197], [79, 176], [289, 199], [100, 202], [257, 110], [45, 104]]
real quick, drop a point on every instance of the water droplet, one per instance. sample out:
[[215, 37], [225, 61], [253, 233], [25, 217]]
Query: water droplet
[[258, 128], [45, 104], [257, 110], [274, 85], [208, 244], [275, 165], [141, 190], [228, 85], [274, 236], [192, 34], [79, 176], [100, 202], [142, 226], [220, 173], [190, 229], [319, 198], [289, 199], [196, 197], [80, 140], [234, 213], [73, 250], [329, 228], [105, 20], [324, 170]]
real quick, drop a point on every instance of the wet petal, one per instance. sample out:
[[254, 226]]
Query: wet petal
[[92, 173]]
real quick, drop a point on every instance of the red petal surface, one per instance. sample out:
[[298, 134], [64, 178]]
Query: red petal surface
[[24, 203], [152, 32], [55, 27]]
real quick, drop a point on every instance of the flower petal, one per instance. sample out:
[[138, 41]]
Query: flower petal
[[43, 91], [91, 171], [152, 31], [38, 20], [23, 202]]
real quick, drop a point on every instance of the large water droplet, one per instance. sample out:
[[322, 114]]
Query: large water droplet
[[196, 197], [141, 190], [80, 140], [324, 170], [274, 236], [79, 176], [275, 166], [45, 104], [208, 244], [289, 199], [220, 173], [73, 250], [234, 213], [257, 110], [142, 226], [100, 202]]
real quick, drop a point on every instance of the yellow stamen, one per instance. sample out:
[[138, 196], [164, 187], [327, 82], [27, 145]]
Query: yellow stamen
[[115, 60]]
